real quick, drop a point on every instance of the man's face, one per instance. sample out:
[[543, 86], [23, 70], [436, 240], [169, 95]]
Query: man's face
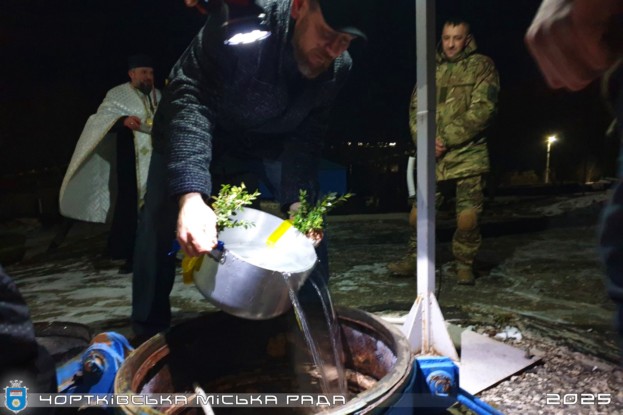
[[454, 39], [316, 44], [142, 78]]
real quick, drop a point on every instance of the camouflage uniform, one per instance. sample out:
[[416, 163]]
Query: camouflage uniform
[[467, 95]]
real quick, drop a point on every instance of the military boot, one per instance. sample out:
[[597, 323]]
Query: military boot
[[465, 275], [405, 267]]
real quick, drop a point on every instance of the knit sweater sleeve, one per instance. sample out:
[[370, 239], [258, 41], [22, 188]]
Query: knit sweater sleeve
[[189, 109]]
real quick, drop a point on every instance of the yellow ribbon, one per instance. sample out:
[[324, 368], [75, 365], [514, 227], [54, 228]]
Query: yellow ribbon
[[189, 266], [278, 233]]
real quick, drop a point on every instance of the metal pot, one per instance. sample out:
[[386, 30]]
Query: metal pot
[[249, 278]]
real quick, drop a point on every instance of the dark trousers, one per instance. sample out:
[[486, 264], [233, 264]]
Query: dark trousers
[[611, 250], [611, 233], [154, 265], [123, 226]]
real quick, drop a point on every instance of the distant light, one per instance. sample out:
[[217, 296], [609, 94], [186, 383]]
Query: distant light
[[248, 37], [393, 144], [552, 139]]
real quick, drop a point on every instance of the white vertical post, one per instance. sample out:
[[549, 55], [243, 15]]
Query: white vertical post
[[424, 326], [425, 44]]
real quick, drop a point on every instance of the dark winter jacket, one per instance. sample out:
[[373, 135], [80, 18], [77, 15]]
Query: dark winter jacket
[[21, 357], [17, 334], [249, 101]]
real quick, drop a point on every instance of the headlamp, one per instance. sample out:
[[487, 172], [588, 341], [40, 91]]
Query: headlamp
[[239, 31], [245, 30]]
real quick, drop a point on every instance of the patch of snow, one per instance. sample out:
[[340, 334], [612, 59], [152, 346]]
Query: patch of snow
[[509, 332], [570, 204]]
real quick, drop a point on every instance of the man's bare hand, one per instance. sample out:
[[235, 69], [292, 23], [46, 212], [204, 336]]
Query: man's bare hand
[[315, 236], [440, 148], [566, 39], [132, 122], [191, 3], [196, 225]]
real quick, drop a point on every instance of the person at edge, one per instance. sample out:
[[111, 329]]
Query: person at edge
[[22, 359], [574, 43]]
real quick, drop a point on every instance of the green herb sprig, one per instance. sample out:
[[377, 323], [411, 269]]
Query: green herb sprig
[[311, 218], [231, 199]]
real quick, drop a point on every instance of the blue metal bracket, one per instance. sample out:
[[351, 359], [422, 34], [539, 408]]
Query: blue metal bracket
[[433, 388]]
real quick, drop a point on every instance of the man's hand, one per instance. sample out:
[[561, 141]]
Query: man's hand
[[132, 122], [440, 148], [196, 225], [566, 39]]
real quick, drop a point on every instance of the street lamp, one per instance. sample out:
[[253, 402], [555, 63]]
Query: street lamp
[[551, 139]]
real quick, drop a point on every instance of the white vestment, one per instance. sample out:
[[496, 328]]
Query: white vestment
[[89, 187]]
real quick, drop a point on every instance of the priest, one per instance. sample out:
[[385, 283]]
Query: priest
[[106, 178]]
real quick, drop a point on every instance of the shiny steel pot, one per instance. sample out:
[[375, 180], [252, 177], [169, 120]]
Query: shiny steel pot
[[248, 280]]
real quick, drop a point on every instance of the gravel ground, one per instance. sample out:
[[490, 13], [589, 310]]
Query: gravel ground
[[565, 381], [562, 382]]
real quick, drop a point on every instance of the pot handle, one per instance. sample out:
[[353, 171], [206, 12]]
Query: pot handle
[[191, 264], [216, 253]]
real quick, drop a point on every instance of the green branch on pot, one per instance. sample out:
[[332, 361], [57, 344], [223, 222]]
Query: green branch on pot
[[231, 199], [309, 218]]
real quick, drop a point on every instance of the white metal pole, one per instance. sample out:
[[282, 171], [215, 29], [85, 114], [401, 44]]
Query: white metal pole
[[424, 326], [425, 44]]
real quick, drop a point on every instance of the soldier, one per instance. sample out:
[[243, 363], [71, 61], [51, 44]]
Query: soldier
[[467, 96]]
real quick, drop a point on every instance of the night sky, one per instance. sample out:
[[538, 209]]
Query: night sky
[[59, 59]]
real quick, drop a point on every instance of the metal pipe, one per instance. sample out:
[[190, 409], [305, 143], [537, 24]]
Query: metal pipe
[[410, 172], [426, 132], [205, 405], [476, 405]]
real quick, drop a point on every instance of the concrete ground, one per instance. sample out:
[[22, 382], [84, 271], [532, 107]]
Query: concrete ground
[[537, 270]]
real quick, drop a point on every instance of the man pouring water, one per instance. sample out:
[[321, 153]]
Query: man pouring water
[[238, 112]]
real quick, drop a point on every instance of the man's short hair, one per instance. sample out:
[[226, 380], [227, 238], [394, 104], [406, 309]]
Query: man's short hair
[[456, 21]]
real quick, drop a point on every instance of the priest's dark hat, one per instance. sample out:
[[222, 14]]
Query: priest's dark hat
[[140, 61]]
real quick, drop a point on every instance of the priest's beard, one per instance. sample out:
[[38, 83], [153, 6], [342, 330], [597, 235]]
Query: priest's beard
[[145, 88]]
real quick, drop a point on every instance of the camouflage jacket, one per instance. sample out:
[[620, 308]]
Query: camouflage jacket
[[467, 96]]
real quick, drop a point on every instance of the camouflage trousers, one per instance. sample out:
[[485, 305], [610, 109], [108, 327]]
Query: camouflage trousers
[[468, 206]]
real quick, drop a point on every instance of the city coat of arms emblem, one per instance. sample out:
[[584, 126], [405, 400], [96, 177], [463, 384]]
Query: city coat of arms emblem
[[15, 396]]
